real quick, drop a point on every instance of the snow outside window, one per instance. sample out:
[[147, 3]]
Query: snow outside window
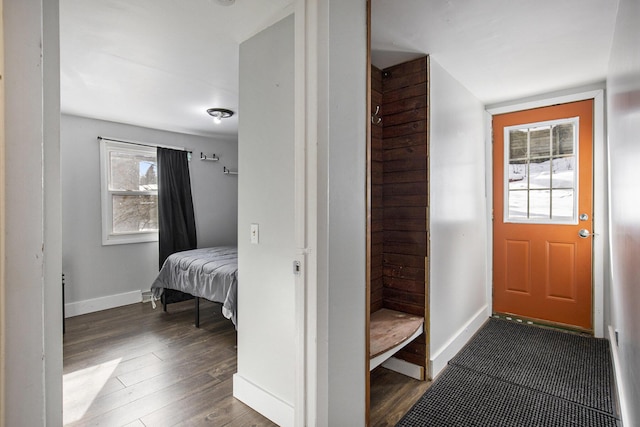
[[541, 161], [129, 193]]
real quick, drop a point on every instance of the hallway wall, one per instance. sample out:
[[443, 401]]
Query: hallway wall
[[31, 361], [266, 327], [457, 222], [623, 104], [341, 213]]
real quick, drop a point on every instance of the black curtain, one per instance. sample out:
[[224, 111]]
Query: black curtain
[[176, 220]]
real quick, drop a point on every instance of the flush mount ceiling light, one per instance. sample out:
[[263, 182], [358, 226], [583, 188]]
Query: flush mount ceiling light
[[226, 2], [219, 113]]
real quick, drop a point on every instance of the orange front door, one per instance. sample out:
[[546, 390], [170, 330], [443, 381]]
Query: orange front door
[[543, 209]]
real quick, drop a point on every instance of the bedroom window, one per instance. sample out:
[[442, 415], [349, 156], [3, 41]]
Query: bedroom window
[[129, 193]]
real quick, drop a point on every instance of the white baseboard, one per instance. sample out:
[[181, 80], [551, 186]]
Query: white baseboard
[[147, 296], [405, 368], [439, 358], [270, 406], [622, 400], [103, 303]]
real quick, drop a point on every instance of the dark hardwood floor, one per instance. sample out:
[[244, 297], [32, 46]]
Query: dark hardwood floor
[[392, 395], [136, 366]]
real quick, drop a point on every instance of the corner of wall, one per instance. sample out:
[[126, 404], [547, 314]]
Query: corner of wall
[[619, 378], [277, 410], [441, 356]]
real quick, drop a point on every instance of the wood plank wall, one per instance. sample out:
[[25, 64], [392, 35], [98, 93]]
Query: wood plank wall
[[376, 195], [404, 194]]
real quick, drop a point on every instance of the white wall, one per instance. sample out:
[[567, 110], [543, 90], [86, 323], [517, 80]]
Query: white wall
[[623, 104], [32, 362], [458, 220], [266, 312], [343, 116], [96, 271]]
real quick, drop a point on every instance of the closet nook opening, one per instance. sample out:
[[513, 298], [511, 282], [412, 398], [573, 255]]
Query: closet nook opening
[[398, 209]]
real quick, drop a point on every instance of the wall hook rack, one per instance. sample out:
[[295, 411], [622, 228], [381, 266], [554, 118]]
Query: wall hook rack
[[228, 171], [375, 117], [212, 158]]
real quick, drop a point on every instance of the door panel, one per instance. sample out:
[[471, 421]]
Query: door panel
[[518, 253], [561, 278], [542, 199]]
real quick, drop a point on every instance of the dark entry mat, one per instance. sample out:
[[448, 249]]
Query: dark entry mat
[[562, 364], [462, 397]]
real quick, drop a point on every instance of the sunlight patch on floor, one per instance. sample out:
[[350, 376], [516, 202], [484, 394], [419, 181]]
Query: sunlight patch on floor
[[80, 388]]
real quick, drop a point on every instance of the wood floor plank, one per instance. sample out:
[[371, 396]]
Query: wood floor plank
[[152, 368], [250, 419], [193, 365], [225, 413], [392, 395], [138, 408], [225, 369], [195, 343], [155, 364], [133, 365], [228, 412], [190, 406], [147, 330], [215, 408], [75, 389], [170, 379], [109, 350]]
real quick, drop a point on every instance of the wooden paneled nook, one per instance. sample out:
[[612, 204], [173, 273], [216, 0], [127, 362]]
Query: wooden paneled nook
[[398, 206]]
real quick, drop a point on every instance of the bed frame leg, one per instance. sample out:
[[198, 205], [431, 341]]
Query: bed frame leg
[[197, 312], [164, 300]]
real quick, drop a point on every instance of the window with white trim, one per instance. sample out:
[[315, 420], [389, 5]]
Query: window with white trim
[[541, 185], [129, 193]]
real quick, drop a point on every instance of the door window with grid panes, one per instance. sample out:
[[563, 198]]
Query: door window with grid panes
[[541, 183]]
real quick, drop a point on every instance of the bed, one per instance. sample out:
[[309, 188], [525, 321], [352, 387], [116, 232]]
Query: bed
[[210, 273]]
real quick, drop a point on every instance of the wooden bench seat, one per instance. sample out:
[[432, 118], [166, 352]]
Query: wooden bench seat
[[389, 332]]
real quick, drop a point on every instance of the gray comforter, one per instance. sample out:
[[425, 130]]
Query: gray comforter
[[210, 273]]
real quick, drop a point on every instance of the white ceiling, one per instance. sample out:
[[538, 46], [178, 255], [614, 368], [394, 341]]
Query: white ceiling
[[157, 63], [500, 49], [162, 63]]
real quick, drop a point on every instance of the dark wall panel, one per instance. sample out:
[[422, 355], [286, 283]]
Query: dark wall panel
[[405, 194], [377, 210]]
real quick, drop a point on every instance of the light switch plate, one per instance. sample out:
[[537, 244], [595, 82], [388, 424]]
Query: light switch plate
[[255, 231]]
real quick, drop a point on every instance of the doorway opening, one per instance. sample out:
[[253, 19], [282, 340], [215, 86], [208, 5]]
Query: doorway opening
[[397, 214], [543, 214]]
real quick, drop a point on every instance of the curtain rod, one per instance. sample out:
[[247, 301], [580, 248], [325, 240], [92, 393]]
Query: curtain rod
[[144, 145]]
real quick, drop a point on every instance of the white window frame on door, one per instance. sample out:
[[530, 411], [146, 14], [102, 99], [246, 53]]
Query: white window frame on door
[[507, 194], [600, 210]]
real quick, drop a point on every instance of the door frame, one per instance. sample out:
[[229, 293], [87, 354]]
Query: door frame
[[306, 53], [3, 210], [600, 203]]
